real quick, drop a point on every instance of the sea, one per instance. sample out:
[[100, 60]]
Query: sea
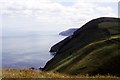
[[28, 50]]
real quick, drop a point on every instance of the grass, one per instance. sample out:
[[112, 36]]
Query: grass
[[113, 27], [90, 55], [92, 51], [26, 73]]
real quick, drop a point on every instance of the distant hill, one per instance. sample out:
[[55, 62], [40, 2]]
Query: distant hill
[[92, 49], [68, 32]]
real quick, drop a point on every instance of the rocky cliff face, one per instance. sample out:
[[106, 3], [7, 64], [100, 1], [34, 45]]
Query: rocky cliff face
[[92, 49]]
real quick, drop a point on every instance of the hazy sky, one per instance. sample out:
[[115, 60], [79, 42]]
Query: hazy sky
[[51, 15]]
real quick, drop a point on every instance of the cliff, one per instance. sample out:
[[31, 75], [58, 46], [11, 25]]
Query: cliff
[[92, 49]]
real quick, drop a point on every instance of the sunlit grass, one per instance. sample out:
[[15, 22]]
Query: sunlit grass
[[26, 73]]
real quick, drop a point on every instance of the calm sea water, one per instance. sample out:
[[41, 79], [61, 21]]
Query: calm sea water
[[27, 51]]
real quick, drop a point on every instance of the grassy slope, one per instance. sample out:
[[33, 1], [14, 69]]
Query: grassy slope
[[93, 51], [25, 73]]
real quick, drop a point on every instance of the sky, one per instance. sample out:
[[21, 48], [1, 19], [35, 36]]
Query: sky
[[52, 15]]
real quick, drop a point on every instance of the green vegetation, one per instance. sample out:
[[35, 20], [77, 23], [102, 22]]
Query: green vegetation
[[93, 49], [113, 27]]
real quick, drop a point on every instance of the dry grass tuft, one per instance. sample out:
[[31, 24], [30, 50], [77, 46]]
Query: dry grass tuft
[[26, 73]]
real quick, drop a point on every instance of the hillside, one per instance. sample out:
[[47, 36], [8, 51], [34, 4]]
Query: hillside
[[92, 49]]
